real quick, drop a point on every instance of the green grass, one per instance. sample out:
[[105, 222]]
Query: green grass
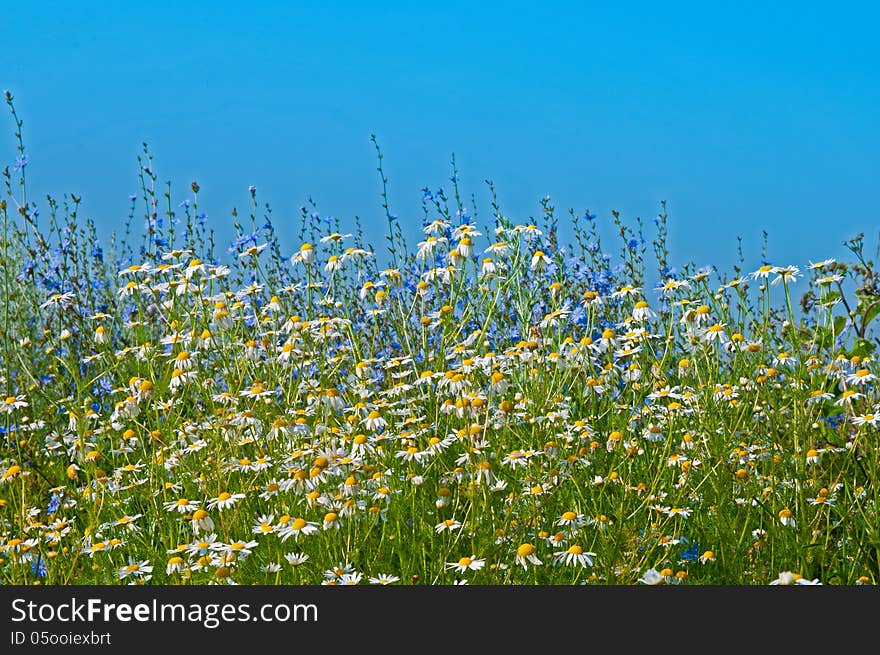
[[541, 399]]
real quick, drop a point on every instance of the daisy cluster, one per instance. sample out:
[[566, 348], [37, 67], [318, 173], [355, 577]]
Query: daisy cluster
[[491, 407]]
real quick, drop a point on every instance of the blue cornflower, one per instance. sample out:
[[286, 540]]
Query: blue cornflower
[[102, 386], [578, 315], [691, 553], [38, 568], [54, 503], [28, 268], [833, 421]]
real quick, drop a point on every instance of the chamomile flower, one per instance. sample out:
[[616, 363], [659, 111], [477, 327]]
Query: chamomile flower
[[374, 422], [11, 473], [465, 247], [341, 569], [467, 563], [818, 266], [872, 419], [349, 579], [335, 237], [861, 377], [11, 403], [525, 555], [787, 578], [539, 261], [715, 333], [641, 312], [224, 500], [305, 254], [240, 548], [574, 556], [264, 525], [296, 559], [653, 577], [137, 570], [786, 274], [848, 396], [764, 272], [202, 546], [296, 528], [331, 521], [427, 247], [448, 525], [202, 522], [176, 564], [786, 518], [253, 251], [181, 506], [571, 520]]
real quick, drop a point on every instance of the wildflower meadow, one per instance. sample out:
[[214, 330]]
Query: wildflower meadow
[[501, 401]]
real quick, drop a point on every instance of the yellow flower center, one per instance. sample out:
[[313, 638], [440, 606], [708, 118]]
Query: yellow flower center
[[525, 550]]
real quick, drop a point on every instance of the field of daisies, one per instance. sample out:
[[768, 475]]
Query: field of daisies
[[484, 405]]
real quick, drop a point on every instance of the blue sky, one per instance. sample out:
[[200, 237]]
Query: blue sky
[[742, 116]]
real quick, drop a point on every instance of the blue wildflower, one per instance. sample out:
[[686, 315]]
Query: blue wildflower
[[54, 503], [691, 553], [38, 568]]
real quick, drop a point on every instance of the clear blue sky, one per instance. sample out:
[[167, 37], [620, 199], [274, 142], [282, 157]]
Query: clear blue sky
[[742, 115]]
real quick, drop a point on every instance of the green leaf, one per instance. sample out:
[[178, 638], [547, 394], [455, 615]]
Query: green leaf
[[823, 337], [862, 348], [871, 314]]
